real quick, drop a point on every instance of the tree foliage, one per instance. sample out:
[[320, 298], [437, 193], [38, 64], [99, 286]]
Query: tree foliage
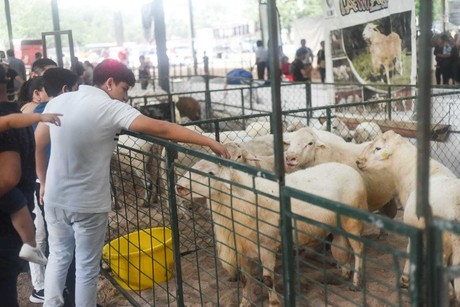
[[290, 10], [91, 24]]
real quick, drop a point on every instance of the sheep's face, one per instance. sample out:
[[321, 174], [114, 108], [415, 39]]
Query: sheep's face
[[300, 151], [241, 155], [338, 127], [361, 136], [368, 30], [235, 151], [295, 125], [377, 155], [200, 183]]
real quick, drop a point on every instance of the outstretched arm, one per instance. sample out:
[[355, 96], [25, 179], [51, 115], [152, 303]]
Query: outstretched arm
[[174, 132], [25, 120]]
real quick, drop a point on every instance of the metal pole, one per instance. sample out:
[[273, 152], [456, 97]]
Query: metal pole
[[160, 38], [57, 28], [8, 23], [423, 135], [192, 34], [443, 5], [275, 82]]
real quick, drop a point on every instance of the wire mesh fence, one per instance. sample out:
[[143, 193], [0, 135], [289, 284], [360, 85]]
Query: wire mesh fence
[[144, 172]]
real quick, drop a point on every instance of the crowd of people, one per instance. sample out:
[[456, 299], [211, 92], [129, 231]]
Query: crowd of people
[[55, 200], [299, 70], [446, 53]]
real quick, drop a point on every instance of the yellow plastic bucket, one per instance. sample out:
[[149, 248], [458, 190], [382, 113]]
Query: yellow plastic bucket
[[142, 258]]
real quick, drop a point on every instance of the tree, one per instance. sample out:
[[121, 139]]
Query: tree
[[291, 10]]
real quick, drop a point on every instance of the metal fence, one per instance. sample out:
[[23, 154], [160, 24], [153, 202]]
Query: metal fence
[[227, 107], [144, 171]]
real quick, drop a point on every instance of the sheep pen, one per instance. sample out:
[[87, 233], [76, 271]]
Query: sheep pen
[[205, 282]]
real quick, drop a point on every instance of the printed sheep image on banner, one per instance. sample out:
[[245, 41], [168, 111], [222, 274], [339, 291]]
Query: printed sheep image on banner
[[385, 50]]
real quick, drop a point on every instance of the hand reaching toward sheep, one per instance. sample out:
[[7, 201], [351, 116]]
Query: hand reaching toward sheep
[[219, 149]]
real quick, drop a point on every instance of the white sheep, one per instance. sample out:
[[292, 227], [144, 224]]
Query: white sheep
[[365, 132], [242, 155], [392, 154], [294, 125], [139, 158], [260, 145], [244, 219], [264, 145], [306, 149], [339, 128], [385, 50], [260, 128]]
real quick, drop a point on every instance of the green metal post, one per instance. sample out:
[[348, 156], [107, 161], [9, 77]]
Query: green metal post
[[389, 102], [309, 100], [276, 122], [8, 23], [57, 28], [423, 137], [171, 153]]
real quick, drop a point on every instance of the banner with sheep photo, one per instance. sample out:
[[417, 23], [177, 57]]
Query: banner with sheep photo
[[371, 45]]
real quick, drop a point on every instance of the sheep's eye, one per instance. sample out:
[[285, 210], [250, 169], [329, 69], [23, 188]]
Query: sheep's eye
[[311, 143], [211, 173], [335, 128], [239, 157], [377, 148]]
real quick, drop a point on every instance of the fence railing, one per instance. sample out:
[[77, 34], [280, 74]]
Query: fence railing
[[145, 171]]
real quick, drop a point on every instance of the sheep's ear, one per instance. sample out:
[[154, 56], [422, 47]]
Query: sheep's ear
[[287, 138], [249, 156], [388, 135], [320, 144]]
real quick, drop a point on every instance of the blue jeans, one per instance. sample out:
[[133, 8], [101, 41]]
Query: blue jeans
[[10, 267], [69, 231]]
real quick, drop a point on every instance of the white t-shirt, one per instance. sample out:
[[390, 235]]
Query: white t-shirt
[[78, 173], [261, 54]]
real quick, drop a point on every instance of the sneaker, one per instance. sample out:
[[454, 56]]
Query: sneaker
[[37, 296], [32, 254]]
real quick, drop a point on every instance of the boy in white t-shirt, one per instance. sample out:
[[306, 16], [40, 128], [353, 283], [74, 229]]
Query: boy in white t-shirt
[[75, 183]]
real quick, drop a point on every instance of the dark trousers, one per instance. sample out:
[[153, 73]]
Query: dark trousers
[[261, 70], [322, 73], [10, 267], [437, 74]]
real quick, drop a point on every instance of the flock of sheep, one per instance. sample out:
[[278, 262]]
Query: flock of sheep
[[372, 171]]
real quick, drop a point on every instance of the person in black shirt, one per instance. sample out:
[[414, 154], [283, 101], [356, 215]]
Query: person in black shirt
[[298, 67], [17, 151]]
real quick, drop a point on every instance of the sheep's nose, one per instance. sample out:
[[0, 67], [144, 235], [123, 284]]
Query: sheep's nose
[[349, 139], [360, 162], [291, 160]]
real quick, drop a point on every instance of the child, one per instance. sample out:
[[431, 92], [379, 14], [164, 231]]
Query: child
[[14, 202]]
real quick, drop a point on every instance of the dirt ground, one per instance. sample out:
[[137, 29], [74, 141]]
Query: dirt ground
[[206, 282]]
